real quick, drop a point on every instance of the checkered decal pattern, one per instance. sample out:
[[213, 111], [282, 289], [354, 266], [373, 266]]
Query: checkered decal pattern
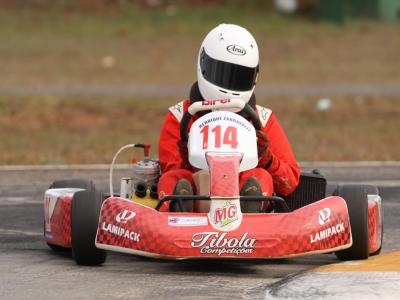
[[373, 227], [148, 226], [295, 239], [61, 222], [276, 235]]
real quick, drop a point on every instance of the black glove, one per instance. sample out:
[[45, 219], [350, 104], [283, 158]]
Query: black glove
[[264, 154]]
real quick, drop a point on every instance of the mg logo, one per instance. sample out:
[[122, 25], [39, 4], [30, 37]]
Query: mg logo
[[324, 215], [125, 216], [226, 214]]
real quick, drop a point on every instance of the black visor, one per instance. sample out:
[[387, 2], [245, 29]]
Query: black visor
[[227, 75]]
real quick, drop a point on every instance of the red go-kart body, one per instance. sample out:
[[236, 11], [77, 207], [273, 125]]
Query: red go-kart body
[[129, 227], [348, 223]]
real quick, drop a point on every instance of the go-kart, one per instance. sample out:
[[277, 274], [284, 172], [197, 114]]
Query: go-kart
[[221, 144]]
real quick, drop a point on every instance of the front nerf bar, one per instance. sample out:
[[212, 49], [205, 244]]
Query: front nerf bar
[[179, 198]]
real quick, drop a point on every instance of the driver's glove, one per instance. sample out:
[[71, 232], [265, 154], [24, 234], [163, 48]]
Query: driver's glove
[[183, 151], [264, 154]]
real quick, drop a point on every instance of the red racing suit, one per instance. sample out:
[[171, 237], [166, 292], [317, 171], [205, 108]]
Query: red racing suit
[[281, 177]]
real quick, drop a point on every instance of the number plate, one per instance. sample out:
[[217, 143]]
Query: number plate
[[223, 132]]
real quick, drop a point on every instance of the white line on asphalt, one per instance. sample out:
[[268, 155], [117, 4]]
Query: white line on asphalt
[[18, 200], [13, 231]]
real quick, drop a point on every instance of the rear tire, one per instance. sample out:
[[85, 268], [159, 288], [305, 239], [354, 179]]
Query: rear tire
[[85, 213], [57, 248], [357, 205], [72, 183]]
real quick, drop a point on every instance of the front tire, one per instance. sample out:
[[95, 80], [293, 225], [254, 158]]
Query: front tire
[[373, 190], [85, 213], [68, 183], [357, 204]]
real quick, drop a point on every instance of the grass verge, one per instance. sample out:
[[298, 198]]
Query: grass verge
[[64, 130], [135, 45]]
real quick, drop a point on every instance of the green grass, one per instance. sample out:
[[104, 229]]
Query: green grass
[[150, 46], [45, 130], [67, 46]]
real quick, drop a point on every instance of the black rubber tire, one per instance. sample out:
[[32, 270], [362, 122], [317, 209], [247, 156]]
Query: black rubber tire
[[85, 213], [356, 198], [72, 183], [57, 248], [68, 183]]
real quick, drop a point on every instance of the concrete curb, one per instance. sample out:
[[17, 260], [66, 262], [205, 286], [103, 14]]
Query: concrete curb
[[375, 278]]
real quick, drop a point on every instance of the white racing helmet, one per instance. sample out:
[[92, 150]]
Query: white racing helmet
[[228, 64]]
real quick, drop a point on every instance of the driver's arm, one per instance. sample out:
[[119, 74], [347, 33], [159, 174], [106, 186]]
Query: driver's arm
[[284, 169], [168, 151]]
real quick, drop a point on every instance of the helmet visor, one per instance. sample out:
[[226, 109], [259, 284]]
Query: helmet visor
[[227, 75]]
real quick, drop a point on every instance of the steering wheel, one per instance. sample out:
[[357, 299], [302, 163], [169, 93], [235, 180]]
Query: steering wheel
[[247, 109]]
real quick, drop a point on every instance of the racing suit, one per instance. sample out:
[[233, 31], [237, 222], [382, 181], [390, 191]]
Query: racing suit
[[281, 175]]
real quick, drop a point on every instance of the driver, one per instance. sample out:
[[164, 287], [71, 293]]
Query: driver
[[228, 67]]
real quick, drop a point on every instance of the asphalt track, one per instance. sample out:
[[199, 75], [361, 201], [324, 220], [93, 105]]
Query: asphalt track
[[29, 270]]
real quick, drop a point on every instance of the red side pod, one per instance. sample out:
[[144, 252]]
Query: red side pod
[[57, 227], [375, 223]]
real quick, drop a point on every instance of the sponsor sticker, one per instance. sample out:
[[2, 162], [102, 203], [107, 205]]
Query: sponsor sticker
[[326, 233], [219, 244], [236, 50], [122, 232], [125, 216], [324, 215], [226, 214], [187, 221], [213, 102]]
